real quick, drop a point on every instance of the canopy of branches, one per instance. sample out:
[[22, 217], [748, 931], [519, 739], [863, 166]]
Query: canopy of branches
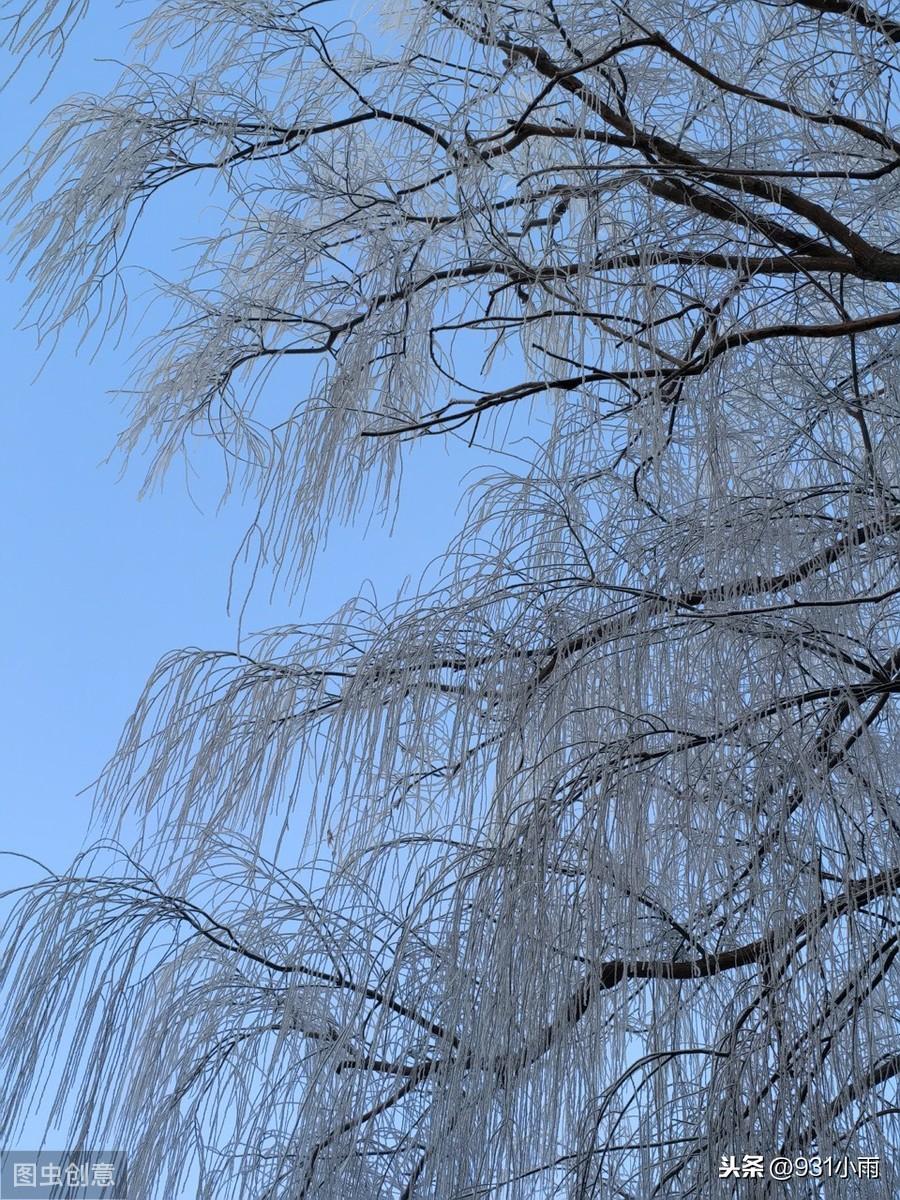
[[600, 880]]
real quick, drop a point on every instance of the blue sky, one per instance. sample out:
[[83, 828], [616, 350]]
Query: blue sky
[[97, 584]]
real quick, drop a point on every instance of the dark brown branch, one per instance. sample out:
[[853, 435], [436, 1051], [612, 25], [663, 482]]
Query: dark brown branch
[[856, 12], [857, 895]]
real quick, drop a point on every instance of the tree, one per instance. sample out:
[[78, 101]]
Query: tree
[[601, 879]]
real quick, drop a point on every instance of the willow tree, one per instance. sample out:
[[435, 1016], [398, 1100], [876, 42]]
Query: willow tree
[[600, 874]]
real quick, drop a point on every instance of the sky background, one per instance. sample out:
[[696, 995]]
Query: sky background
[[98, 585]]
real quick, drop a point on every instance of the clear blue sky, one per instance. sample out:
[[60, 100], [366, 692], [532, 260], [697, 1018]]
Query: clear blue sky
[[97, 585]]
